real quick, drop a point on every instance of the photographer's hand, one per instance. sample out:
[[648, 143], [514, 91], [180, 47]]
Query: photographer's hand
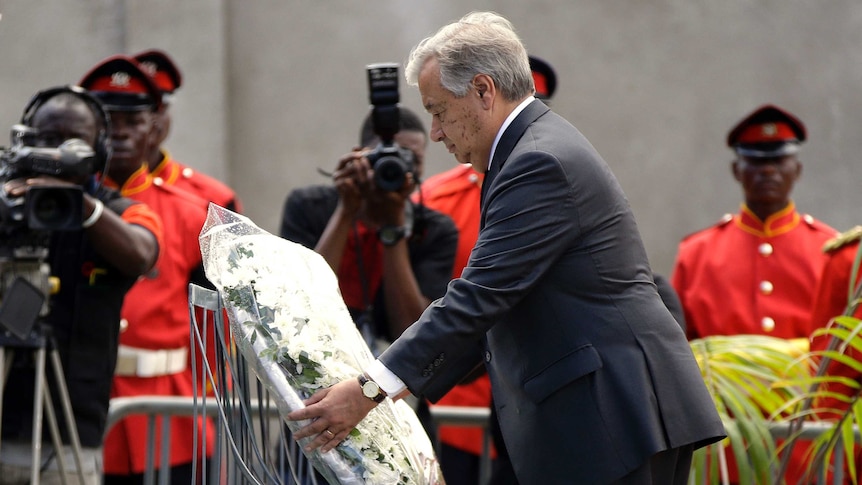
[[351, 178], [386, 208], [352, 183]]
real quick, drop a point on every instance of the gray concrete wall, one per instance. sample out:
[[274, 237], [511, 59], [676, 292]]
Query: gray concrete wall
[[276, 88]]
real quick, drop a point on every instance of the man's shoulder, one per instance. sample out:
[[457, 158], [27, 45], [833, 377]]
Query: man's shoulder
[[312, 193], [455, 179], [180, 199], [705, 234], [203, 180], [846, 239], [818, 226]]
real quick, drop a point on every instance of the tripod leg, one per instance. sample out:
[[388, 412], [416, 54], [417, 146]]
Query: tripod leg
[[4, 373], [66, 404], [59, 449], [37, 416]]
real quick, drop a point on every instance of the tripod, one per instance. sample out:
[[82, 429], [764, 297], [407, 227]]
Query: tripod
[[23, 332]]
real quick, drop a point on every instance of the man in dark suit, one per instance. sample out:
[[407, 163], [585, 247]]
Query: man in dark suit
[[593, 380]]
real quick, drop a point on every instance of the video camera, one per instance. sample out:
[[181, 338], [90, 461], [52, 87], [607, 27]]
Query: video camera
[[391, 163], [26, 224], [48, 208]]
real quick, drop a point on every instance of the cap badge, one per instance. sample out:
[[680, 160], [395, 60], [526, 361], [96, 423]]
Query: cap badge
[[770, 130], [149, 67], [120, 79]]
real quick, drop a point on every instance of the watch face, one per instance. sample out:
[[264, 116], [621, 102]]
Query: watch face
[[370, 389], [390, 234]]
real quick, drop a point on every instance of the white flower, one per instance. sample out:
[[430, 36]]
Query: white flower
[[288, 318]]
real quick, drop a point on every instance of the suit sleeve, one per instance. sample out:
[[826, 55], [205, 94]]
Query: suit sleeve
[[528, 226]]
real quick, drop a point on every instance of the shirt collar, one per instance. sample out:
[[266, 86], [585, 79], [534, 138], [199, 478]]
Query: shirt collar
[[515, 112]]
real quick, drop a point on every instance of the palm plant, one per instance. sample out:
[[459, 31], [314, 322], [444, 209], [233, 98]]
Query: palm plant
[[752, 380], [765, 389]]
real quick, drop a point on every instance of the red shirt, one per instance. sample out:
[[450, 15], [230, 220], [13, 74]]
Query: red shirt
[[746, 276], [156, 310], [455, 193]]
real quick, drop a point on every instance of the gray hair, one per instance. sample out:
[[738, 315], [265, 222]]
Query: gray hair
[[479, 43]]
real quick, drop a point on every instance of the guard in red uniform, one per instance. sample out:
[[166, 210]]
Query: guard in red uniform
[[154, 339], [835, 290], [168, 79], [835, 296], [167, 170], [755, 272]]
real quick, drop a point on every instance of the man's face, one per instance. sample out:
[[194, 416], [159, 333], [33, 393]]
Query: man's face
[[130, 139], [57, 122], [767, 180], [460, 123], [61, 119], [161, 125]]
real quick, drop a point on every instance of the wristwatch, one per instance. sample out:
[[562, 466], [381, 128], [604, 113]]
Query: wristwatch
[[390, 235], [370, 389]]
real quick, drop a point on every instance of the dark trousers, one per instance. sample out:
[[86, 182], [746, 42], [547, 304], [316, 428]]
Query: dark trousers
[[669, 467]]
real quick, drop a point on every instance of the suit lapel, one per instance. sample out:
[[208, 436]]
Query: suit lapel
[[507, 143]]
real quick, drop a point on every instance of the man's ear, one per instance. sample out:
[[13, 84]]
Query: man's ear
[[734, 169], [484, 86]]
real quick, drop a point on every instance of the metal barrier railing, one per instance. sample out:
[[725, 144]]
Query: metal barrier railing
[[162, 406]]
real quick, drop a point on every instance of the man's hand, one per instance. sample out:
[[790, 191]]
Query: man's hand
[[18, 187], [386, 208], [351, 178], [334, 412]]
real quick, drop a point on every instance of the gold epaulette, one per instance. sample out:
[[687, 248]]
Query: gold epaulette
[[843, 239]]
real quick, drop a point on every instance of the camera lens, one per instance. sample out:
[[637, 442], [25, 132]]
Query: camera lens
[[54, 208], [389, 173]]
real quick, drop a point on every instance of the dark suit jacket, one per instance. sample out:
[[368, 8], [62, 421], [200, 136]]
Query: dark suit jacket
[[590, 373]]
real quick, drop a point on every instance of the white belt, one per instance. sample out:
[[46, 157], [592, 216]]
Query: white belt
[[132, 361]]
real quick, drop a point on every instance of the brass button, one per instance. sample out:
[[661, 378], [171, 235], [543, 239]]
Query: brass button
[[765, 249], [766, 287], [768, 324]]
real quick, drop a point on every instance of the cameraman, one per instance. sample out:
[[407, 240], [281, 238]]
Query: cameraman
[[96, 265]]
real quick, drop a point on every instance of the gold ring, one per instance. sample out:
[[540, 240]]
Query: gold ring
[[330, 434]]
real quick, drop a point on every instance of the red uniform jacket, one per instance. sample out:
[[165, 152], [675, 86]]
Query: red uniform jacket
[[746, 276], [156, 311]]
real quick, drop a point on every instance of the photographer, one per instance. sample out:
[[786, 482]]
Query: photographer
[[392, 256], [118, 241]]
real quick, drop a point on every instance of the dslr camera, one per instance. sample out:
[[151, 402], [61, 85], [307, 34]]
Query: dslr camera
[[46, 208], [391, 163]]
